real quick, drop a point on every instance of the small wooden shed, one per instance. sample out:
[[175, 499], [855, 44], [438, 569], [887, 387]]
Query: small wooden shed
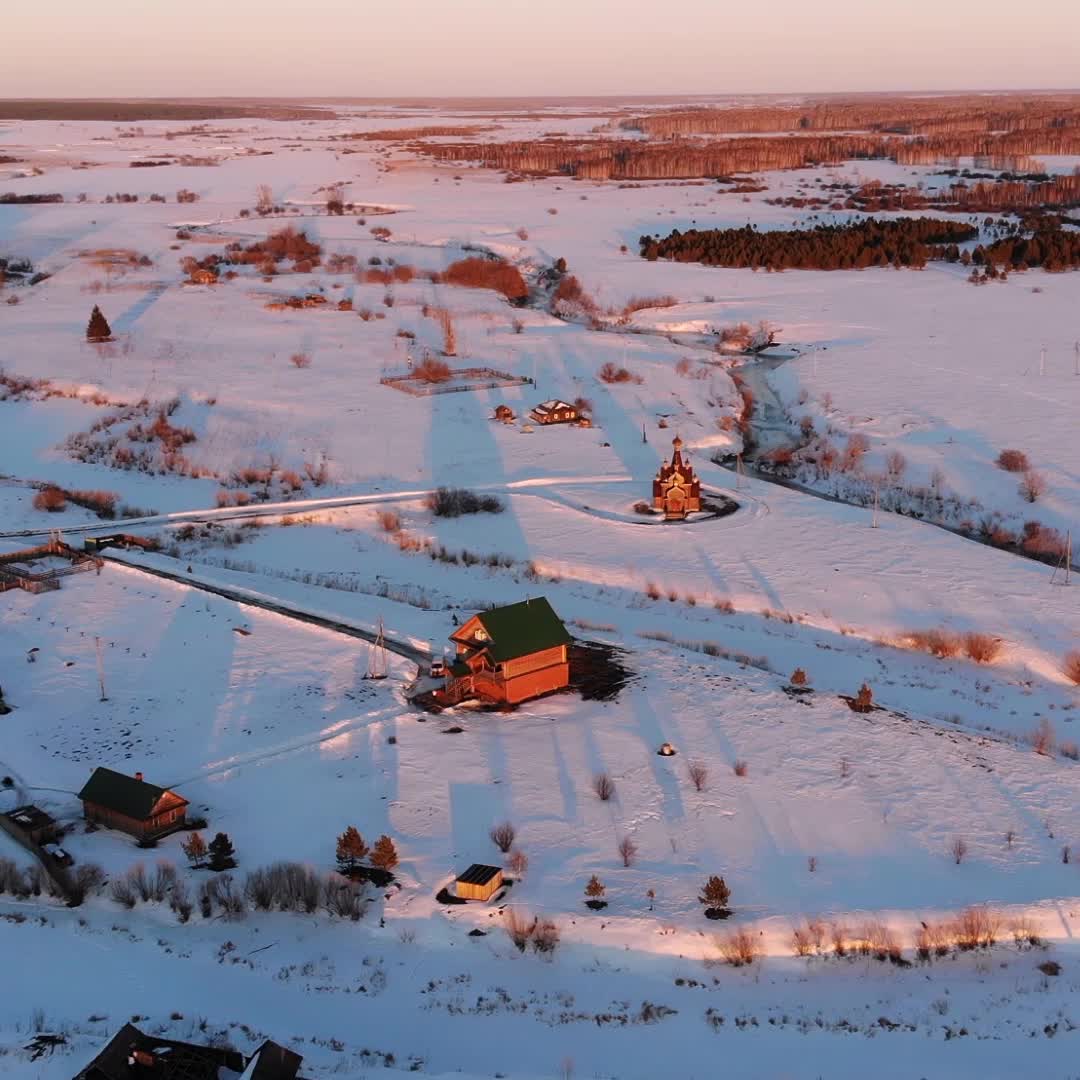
[[479, 882], [504, 414]]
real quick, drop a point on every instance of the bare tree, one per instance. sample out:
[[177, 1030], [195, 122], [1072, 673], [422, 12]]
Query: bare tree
[[502, 836], [699, 774], [1032, 486], [627, 850], [518, 862], [264, 199], [519, 927], [959, 850], [604, 786], [1043, 738]]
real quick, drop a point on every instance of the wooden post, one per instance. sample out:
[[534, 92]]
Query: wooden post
[[100, 669]]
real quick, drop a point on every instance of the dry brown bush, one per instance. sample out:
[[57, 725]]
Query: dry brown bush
[[1043, 739], [698, 772], [640, 303], [519, 927], [610, 373], [518, 862], [724, 606], [1013, 461], [502, 836], [739, 948], [1032, 486], [741, 768], [300, 360], [937, 642], [604, 786], [389, 520], [432, 370], [982, 648], [545, 935], [1070, 667], [975, 927], [51, 499], [496, 274], [809, 938], [652, 590]]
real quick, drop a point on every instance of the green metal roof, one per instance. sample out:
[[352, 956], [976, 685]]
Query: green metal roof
[[521, 629], [122, 794]]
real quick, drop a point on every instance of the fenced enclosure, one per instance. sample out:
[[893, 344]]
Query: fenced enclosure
[[458, 381]]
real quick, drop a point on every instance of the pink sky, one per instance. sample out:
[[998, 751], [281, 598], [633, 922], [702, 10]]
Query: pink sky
[[97, 48]]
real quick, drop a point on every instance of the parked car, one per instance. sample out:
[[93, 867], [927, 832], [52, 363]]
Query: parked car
[[438, 668]]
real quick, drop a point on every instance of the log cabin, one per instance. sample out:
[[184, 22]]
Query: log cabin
[[555, 412], [130, 804], [510, 654]]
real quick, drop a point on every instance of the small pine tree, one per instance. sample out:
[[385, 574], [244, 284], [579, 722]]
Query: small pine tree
[[222, 853], [595, 889], [864, 699], [351, 848], [715, 895], [384, 855], [798, 677], [195, 849], [98, 328]]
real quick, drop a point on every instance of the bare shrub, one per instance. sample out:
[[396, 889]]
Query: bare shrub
[[1070, 667], [517, 863], [739, 949], [432, 370], [455, 502], [446, 323], [163, 881], [976, 927], [809, 938], [652, 591], [300, 360], [698, 772], [1013, 461], [502, 836], [612, 373], [640, 303], [741, 768], [51, 499], [982, 648], [545, 935], [937, 642], [123, 892], [1043, 739], [1032, 486], [389, 521], [343, 898], [627, 850], [895, 465], [519, 928], [799, 677], [604, 786], [959, 850], [724, 606]]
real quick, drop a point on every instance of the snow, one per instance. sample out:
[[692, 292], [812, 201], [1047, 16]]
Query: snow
[[267, 725]]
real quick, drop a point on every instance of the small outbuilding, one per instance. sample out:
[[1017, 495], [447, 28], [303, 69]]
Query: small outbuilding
[[130, 804], [504, 414], [37, 825], [479, 882]]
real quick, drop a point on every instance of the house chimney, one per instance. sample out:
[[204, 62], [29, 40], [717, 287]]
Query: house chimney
[[138, 776]]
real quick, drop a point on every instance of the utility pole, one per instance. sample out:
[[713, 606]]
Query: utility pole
[[100, 669]]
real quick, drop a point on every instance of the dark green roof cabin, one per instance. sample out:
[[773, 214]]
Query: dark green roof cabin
[[130, 804], [510, 654]]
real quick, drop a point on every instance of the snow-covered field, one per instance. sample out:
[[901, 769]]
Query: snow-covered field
[[268, 727]]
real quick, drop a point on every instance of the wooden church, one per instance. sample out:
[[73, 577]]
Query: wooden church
[[676, 490]]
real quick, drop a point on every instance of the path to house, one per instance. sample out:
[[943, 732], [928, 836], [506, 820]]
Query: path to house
[[248, 598]]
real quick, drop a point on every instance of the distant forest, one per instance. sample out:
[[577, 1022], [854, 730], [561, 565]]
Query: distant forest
[[910, 242]]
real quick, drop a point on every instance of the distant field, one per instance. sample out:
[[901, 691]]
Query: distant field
[[155, 109]]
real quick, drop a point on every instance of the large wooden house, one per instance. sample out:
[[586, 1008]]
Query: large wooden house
[[555, 412], [130, 804], [510, 654], [676, 490]]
